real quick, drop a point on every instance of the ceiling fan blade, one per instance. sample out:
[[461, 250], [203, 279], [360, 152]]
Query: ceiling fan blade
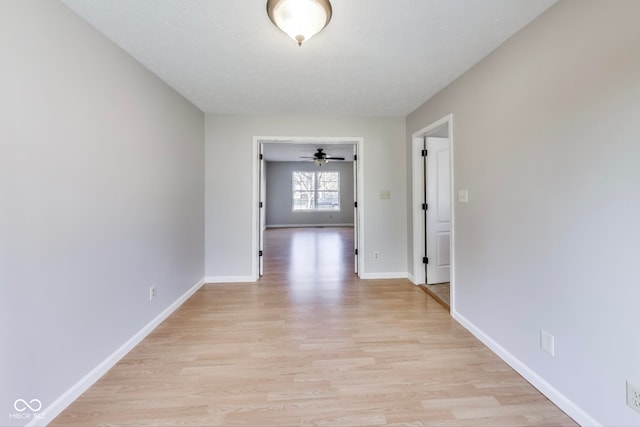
[[335, 158]]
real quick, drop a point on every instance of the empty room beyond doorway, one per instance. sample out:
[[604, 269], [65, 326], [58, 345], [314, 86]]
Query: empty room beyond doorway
[[308, 254]]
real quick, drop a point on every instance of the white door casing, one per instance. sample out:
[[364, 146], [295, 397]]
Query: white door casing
[[418, 270], [257, 235]]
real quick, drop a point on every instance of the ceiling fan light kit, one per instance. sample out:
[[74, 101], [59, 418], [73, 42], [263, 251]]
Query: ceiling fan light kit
[[320, 157], [300, 19]]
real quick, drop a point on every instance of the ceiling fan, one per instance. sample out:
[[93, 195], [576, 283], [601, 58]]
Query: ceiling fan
[[320, 157]]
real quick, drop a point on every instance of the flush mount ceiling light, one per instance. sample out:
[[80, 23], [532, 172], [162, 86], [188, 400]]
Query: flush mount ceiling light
[[300, 19]]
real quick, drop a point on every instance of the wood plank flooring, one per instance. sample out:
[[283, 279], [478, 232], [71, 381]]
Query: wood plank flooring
[[311, 344], [441, 292]]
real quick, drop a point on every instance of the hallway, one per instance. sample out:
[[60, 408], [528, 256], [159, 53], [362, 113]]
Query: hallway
[[311, 344]]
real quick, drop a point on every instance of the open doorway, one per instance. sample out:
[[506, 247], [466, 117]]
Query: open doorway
[[293, 160], [433, 241]]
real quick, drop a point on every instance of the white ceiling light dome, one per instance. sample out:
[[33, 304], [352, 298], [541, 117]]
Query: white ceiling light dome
[[300, 19]]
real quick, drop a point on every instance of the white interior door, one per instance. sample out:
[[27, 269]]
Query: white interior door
[[262, 210], [438, 227], [355, 208]]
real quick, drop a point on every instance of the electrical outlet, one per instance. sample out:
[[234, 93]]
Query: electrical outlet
[[152, 292], [633, 396], [376, 256], [547, 342]]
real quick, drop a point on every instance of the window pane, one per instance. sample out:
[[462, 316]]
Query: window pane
[[328, 200], [328, 181], [303, 181], [303, 200], [315, 191]]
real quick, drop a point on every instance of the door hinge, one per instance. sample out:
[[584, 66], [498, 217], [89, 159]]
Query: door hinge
[[425, 260], [424, 153], [260, 204], [356, 251], [425, 206], [355, 204], [261, 157], [355, 157], [259, 253]]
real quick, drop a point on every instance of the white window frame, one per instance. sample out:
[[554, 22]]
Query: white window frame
[[314, 192]]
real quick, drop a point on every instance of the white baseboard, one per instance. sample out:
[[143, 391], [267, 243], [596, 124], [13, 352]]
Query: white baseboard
[[307, 225], [62, 402], [229, 279], [559, 399], [412, 279], [392, 275]]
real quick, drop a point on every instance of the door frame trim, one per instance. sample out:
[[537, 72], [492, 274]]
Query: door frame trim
[[255, 210], [418, 276]]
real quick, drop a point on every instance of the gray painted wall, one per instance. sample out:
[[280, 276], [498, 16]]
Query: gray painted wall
[[228, 230], [547, 141], [279, 200], [101, 195], [101, 183]]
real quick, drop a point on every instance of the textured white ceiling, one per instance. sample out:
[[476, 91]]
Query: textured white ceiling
[[376, 57]]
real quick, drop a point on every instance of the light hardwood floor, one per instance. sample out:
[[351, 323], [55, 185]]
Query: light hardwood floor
[[311, 344], [440, 292]]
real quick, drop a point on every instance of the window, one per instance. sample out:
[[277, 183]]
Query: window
[[316, 191]]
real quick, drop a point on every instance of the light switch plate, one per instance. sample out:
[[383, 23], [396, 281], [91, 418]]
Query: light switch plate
[[463, 196], [633, 396], [384, 194]]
